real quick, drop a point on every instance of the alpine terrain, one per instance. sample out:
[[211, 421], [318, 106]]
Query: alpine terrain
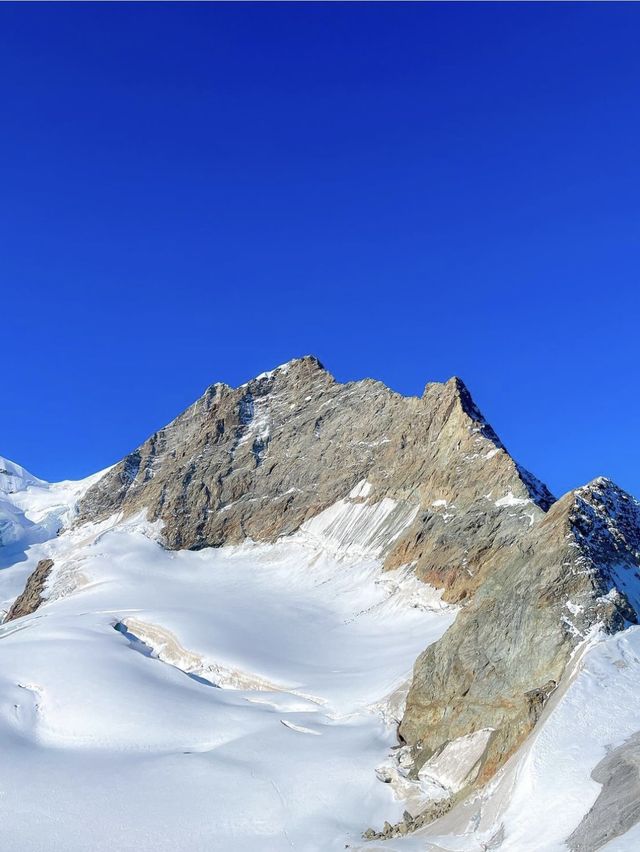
[[318, 616]]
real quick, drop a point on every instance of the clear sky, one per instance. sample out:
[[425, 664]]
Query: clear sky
[[194, 193]]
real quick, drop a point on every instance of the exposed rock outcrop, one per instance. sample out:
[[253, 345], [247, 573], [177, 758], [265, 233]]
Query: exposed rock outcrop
[[501, 659], [410, 823], [617, 808], [32, 596]]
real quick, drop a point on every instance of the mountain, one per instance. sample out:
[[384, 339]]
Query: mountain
[[261, 459], [309, 541]]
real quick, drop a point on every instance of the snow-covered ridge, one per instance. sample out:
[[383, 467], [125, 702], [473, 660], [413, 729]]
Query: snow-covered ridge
[[32, 509]]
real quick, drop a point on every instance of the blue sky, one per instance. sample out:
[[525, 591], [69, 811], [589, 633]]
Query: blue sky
[[193, 193]]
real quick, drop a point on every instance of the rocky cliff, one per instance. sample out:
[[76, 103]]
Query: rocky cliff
[[573, 571], [533, 576]]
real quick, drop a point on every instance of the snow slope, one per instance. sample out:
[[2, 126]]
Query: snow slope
[[245, 698], [230, 699]]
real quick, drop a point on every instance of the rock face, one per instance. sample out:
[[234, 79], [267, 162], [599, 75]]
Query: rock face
[[31, 597], [533, 576], [504, 655]]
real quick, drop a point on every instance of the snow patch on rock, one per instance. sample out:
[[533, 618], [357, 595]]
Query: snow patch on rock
[[511, 500], [457, 764], [358, 530]]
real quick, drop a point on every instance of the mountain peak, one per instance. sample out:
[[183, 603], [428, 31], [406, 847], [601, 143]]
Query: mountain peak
[[603, 485], [14, 477], [601, 510], [455, 388], [463, 394], [304, 364]]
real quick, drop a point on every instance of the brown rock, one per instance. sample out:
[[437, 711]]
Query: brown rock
[[31, 597]]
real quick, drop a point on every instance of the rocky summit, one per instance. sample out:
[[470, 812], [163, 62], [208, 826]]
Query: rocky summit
[[422, 488]]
